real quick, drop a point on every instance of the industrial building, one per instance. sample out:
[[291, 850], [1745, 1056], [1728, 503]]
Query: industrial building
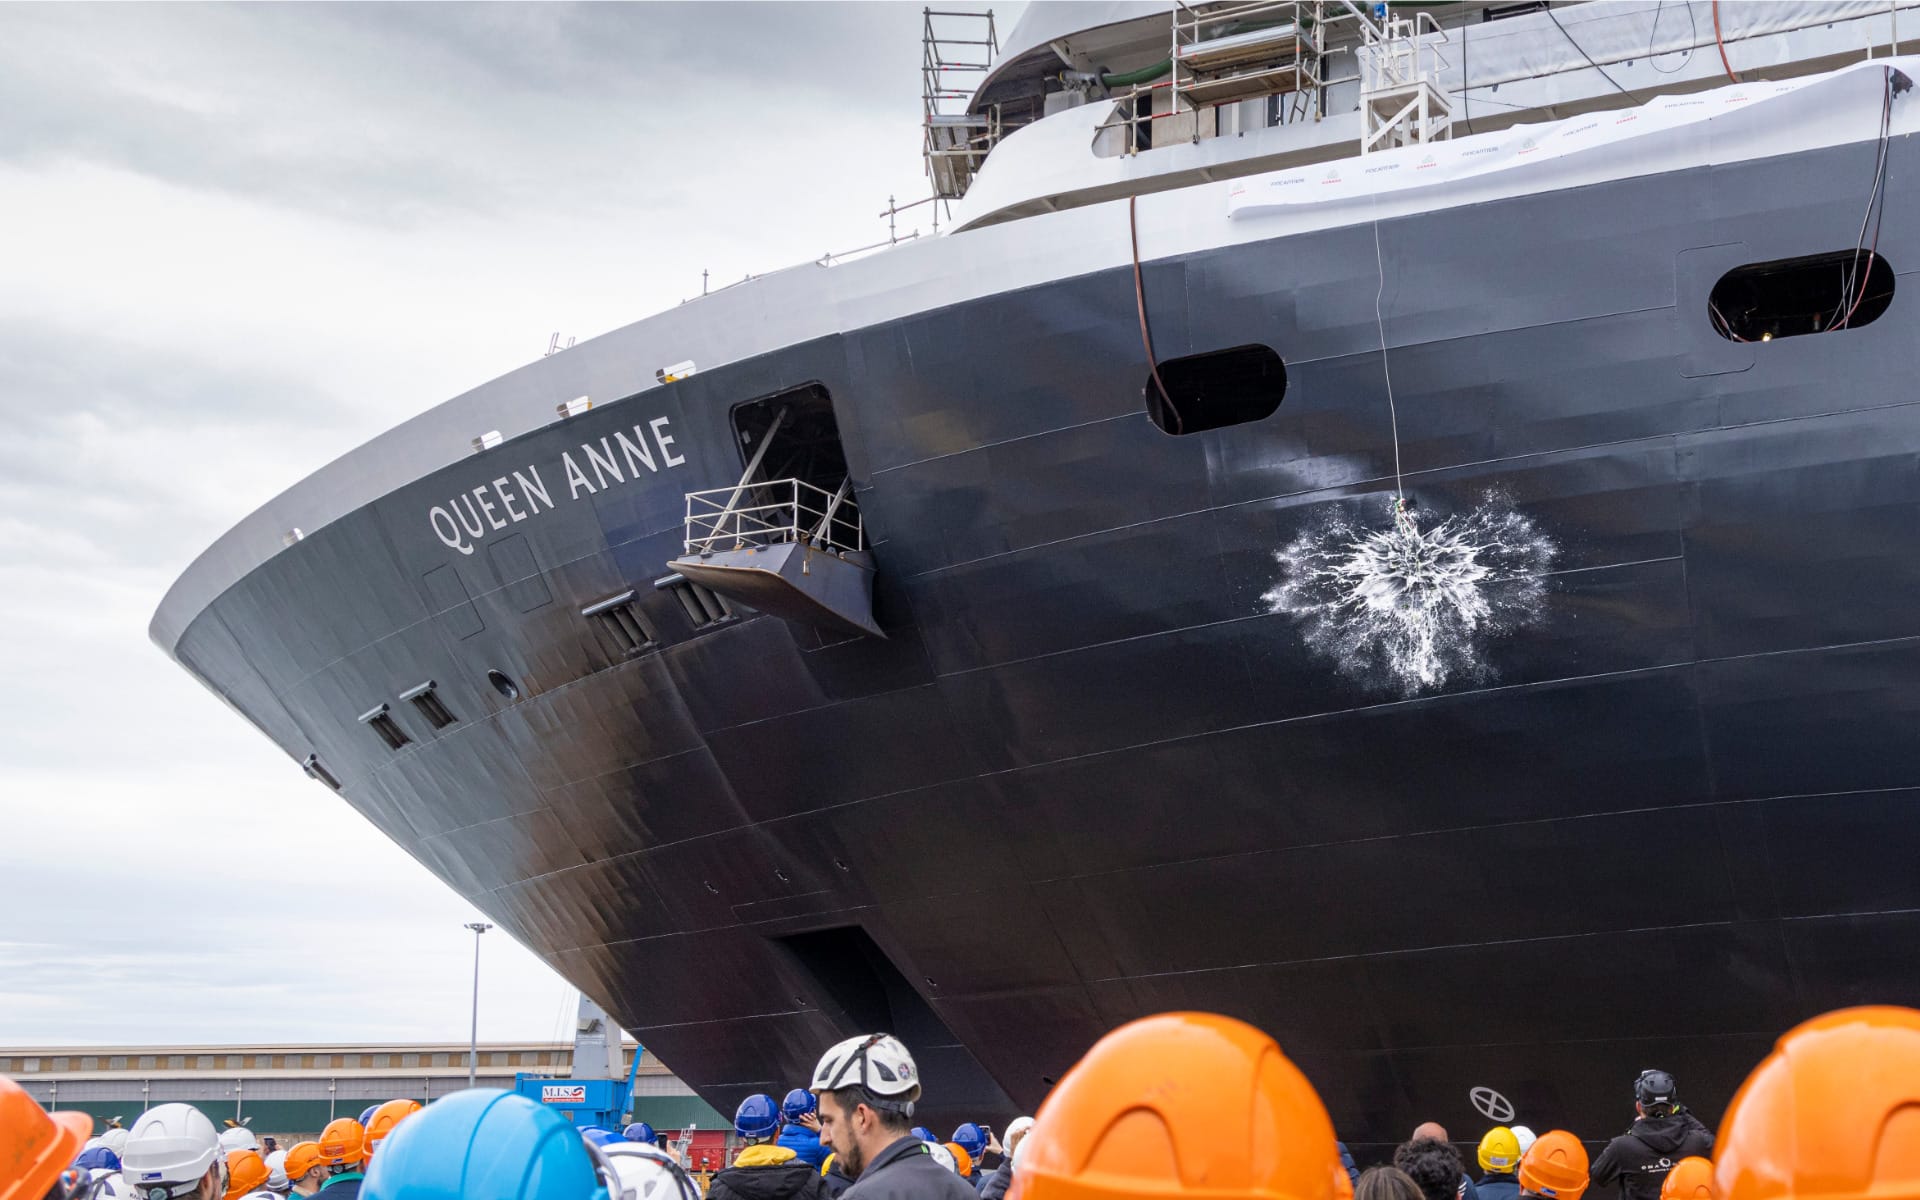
[[291, 1091]]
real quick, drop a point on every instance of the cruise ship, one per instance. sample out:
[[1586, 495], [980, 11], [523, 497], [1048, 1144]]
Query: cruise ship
[[1398, 524]]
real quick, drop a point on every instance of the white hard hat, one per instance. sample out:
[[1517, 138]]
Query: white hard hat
[[1016, 1133], [238, 1137], [169, 1149], [648, 1173], [876, 1062], [277, 1171], [114, 1139], [1523, 1135], [942, 1155]]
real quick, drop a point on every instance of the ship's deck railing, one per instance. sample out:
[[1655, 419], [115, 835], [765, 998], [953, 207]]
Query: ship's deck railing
[[1402, 53], [773, 513], [1400, 95]]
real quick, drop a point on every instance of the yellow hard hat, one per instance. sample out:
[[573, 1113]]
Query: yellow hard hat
[[1500, 1150]]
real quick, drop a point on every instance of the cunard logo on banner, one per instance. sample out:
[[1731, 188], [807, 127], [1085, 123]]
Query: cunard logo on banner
[[612, 461]]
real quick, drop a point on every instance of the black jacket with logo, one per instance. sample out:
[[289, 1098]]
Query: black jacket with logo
[[1639, 1159]]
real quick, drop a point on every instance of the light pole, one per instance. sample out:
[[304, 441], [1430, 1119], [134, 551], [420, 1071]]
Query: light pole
[[473, 1046]]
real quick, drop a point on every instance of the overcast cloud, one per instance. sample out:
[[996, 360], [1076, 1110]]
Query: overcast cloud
[[235, 242]]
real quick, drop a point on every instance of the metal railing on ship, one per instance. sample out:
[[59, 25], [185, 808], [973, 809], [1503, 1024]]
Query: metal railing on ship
[[773, 513]]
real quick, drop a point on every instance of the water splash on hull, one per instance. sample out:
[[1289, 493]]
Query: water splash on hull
[[1411, 603]]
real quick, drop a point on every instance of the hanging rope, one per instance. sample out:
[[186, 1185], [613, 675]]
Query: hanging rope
[[1855, 288], [1721, 42], [1140, 306], [1393, 412]]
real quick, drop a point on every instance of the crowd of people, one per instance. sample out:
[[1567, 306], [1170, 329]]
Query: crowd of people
[[1172, 1106]]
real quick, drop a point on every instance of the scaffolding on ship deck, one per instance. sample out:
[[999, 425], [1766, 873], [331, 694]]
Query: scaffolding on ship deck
[[1283, 51], [956, 52]]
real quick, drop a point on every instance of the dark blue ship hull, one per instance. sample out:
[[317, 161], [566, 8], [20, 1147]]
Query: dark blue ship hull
[[1091, 773]]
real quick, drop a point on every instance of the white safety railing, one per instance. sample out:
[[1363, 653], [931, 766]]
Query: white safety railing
[[773, 513], [1403, 52], [1401, 100]]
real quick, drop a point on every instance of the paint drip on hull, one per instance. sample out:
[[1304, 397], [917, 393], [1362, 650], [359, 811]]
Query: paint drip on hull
[[1410, 603]]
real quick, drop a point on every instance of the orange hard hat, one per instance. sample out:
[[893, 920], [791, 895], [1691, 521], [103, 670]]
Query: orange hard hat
[[1187, 1104], [1342, 1182], [303, 1157], [246, 1172], [962, 1161], [1555, 1165], [35, 1145], [1833, 1112], [1690, 1179], [384, 1118], [343, 1142]]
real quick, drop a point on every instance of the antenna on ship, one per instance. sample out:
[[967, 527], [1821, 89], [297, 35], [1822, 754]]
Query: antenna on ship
[[554, 347]]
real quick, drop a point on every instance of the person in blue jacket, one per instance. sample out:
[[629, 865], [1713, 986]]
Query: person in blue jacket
[[1346, 1161], [800, 1130]]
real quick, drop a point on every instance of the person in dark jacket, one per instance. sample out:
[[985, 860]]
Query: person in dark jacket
[[1499, 1157], [833, 1178], [867, 1087], [764, 1171], [1435, 1165], [1663, 1133]]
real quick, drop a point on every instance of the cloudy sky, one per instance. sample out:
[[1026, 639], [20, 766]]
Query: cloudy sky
[[237, 241]]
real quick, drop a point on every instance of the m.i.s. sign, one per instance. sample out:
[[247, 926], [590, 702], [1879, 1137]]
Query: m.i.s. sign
[[466, 519]]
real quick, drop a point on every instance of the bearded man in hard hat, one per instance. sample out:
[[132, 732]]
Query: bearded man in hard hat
[[1663, 1133], [173, 1153], [867, 1087]]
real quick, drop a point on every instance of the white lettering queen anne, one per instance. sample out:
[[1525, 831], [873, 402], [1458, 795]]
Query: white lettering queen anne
[[464, 521]]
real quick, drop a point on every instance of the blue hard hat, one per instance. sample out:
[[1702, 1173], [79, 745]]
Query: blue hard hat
[[640, 1131], [98, 1158], [368, 1114], [599, 1136], [971, 1138], [799, 1103], [757, 1117], [484, 1142], [924, 1134]]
